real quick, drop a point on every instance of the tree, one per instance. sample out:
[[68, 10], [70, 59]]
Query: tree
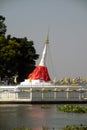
[[8, 51], [25, 60], [17, 55], [2, 25]]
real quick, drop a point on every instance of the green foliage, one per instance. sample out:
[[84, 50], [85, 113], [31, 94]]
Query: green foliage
[[22, 129], [25, 60], [45, 106], [2, 25], [73, 108], [73, 127], [43, 128], [17, 55]]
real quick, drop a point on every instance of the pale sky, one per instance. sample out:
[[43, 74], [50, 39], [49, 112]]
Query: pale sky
[[67, 23]]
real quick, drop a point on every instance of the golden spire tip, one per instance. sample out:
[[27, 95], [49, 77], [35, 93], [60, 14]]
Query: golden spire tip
[[47, 40]]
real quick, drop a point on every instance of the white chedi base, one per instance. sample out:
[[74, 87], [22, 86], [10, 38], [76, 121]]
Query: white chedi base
[[34, 82]]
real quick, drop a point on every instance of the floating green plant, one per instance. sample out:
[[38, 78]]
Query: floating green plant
[[73, 127], [22, 128], [43, 128], [73, 108], [45, 106]]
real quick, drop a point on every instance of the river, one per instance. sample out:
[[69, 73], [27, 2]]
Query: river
[[35, 117]]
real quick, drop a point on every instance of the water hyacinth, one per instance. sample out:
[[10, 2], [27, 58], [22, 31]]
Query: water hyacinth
[[73, 127], [22, 128], [73, 108]]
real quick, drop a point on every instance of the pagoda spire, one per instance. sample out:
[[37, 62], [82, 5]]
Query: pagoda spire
[[40, 73], [47, 40], [43, 58]]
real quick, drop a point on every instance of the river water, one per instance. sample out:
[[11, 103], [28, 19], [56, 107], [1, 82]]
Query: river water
[[35, 117]]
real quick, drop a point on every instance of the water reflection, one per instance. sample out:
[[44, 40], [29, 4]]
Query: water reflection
[[33, 116]]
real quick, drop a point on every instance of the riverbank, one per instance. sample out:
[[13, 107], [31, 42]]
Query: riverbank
[[28, 101]]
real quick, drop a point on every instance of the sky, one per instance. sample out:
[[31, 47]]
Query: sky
[[66, 21]]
